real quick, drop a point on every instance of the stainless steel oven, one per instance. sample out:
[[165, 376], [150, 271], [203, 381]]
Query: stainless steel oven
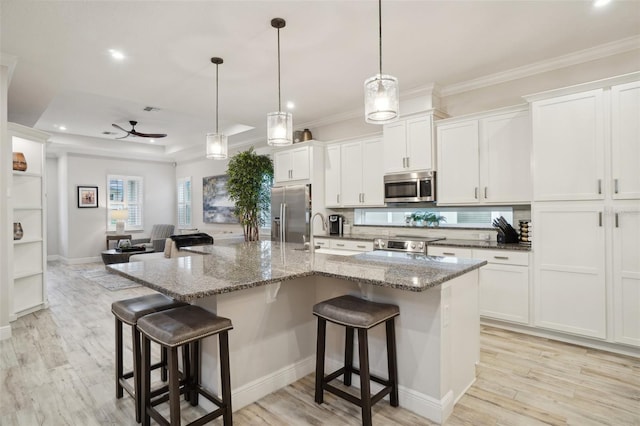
[[410, 187]]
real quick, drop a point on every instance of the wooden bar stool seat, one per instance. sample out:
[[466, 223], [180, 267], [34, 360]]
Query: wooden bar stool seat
[[180, 327], [129, 311], [357, 314]]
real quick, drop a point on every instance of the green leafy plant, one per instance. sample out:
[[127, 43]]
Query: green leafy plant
[[249, 187], [428, 218]]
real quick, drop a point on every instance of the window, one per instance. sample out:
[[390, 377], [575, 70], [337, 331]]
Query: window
[[473, 217], [184, 202], [125, 193]]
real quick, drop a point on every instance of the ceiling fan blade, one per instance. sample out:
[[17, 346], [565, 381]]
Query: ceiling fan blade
[[125, 136], [148, 135], [118, 127]]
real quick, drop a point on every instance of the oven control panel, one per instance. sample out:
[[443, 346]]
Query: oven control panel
[[409, 246]]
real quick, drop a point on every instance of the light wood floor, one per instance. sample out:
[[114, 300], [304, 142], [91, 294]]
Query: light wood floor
[[58, 370]]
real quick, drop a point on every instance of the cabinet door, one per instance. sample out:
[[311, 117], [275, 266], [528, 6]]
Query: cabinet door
[[300, 163], [395, 147], [504, 292], [458, 252], [332, 176], [419, 140], [569, 279], [626, 275], [282, 166], [372, 174], [568, 147], [351, 171], [458, 163], [625, 141], [505, 162]]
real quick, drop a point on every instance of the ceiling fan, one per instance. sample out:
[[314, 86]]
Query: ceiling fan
[[134, 132]]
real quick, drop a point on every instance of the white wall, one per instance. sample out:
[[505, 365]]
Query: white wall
[[53, 204], [82, 231], [5, 169]]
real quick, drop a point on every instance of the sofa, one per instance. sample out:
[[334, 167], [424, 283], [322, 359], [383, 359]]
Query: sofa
[[157, 238]]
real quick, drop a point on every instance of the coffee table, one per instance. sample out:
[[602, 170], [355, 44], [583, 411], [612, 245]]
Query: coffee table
[[115, 256]]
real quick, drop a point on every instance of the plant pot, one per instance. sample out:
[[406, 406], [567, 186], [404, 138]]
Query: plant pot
[[19, 162], [18, 232]]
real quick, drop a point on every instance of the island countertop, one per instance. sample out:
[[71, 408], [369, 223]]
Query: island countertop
[[228, 268]]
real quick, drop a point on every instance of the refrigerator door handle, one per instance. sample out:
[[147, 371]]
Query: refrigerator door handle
[[281, 223], [284, 222]]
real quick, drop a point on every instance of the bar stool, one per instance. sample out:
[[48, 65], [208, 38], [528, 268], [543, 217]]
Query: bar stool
[[180, 327], [129, 311], [357, 314]]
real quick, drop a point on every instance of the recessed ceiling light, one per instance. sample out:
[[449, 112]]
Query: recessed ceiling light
[[62, 127], [116, 54], [152, 141], [601, 3], [291, 105]]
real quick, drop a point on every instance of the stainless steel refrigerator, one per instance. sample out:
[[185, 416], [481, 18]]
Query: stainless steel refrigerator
[[290, 213]]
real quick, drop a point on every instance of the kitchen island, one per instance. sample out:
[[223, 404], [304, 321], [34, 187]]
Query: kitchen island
[[268, 290]]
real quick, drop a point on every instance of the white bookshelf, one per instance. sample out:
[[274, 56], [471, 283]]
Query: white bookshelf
[[27, 199]]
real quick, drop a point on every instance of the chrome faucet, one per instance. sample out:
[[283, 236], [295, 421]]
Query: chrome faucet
[[312, 246]]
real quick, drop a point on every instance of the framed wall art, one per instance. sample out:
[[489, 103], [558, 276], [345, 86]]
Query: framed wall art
[[216, 205], [87, 197]]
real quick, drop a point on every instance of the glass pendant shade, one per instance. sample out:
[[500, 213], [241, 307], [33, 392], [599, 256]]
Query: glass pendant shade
[[381, 99], [279, 128], [216, 146]]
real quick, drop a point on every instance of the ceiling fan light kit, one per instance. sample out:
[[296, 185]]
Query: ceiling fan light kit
[[381, 92], [217, 144], [279, 123]]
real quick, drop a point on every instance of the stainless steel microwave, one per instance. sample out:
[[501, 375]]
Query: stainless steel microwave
[[410, 187]]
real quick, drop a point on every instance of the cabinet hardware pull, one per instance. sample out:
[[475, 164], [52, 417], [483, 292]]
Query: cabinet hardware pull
[[599, 186], [485, 192], [408, 162], [363, 197], [600, 219], [615, 186], [340, 245], [448, 253], [404, 162], [362, 247], [501, 257], [338, 198], [475, 192], [617, 220]]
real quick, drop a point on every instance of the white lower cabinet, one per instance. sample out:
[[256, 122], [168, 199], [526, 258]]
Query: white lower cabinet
[[569, 273], [626, 275], [504, 281]]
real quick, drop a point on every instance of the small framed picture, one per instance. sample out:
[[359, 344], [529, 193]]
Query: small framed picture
[[87, 197]]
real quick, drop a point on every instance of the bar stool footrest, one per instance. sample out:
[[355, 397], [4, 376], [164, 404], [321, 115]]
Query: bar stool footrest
[[386, 390]]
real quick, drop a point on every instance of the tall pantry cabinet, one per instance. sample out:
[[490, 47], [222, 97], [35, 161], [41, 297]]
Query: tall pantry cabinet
[[27, 204], [586, 209]]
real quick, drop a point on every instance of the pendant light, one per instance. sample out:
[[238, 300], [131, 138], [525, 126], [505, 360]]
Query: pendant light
[[279, 124], [381, 93], [216, 142]]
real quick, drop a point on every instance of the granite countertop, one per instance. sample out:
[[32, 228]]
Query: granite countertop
[[480, 244], [351, 237], [228, 268]]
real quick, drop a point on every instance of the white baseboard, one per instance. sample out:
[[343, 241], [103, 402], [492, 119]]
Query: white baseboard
[[5, 332], [30, 310], [423, 405], [259, 388], [53, 257]]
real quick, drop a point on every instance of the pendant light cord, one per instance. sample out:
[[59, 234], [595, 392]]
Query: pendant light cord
[[279, 101], [380, 32], [217, 99]]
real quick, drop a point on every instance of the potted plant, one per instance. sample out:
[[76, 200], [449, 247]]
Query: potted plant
[[432, 219], [249, 187]]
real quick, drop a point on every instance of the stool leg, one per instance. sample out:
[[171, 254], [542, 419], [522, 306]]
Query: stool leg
[[163, 360], [320, 348], [195, 372], [145, 374], [365, 395], [174, 387], [135, 335], [186, 366], [225, 378], [348, 355], [392, 361], [119, 368]]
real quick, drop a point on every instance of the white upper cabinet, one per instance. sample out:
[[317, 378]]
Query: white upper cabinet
[[485, 159], [625, 141], [408, 144], [458, 178], [568, 147], [353, 174], [292, 164]]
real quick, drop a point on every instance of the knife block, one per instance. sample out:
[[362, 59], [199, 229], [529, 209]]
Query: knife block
[[507, 238]]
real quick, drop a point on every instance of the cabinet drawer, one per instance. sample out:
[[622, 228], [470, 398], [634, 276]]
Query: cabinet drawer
[[352, 245], [505, 257], [464, 253], [322, 242]]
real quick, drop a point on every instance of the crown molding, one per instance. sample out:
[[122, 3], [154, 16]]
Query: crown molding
[[581, 56]]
